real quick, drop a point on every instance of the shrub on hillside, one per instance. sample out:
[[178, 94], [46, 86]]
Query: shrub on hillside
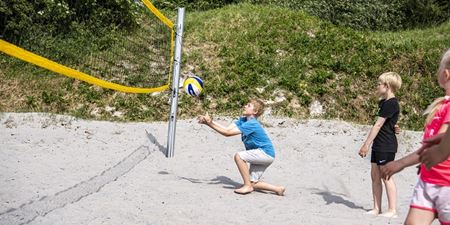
[[21, 17], [193, 4], [358, 14]]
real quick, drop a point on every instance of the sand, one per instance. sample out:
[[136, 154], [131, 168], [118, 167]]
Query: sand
[[62, 170]]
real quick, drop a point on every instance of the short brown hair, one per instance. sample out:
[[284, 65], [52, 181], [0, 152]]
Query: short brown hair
[[258, 106]]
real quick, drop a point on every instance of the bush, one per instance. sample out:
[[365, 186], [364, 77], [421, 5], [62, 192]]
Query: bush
[[357, 14], [193, 4], [421, 13], [22, 17], [379, 14]]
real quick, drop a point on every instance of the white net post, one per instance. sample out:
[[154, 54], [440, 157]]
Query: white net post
[[175, 84]]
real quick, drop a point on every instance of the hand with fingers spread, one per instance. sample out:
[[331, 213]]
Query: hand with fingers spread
[[434, 140], [433, 156], [435, 150]]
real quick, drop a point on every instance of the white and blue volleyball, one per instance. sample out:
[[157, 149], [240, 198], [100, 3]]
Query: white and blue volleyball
[[193, 86]]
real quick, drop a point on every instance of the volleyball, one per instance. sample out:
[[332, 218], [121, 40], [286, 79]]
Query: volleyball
[[193, 86]]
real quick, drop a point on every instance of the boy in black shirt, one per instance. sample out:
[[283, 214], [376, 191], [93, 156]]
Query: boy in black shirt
[[384, 146]]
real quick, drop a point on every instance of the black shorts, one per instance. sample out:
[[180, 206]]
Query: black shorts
[[381, 158]]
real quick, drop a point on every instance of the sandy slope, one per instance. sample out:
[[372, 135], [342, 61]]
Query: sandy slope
[[62, 170]]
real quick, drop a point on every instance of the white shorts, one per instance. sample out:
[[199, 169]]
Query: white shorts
[[433, 198], [259, 161]]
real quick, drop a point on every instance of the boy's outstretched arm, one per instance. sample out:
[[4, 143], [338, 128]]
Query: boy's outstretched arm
[[372, 134], [231, 130]]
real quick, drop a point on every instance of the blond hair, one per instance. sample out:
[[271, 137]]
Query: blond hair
[[258, 106], [437, 103], [392, 80]]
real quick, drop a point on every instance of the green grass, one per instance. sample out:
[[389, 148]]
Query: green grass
[[307, 59], [244, 51]]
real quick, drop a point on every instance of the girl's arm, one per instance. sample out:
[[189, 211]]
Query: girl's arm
[[372, 134], [398, 165], [410, 160], [437, 149]]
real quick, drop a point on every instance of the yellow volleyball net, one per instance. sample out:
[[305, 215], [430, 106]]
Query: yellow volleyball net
[[137, 61]]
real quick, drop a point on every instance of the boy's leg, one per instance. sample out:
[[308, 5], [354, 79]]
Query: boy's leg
[[391, 189], [243, 170], [256, 171], [419, 217], [260, 185], [377, 189], [391, 192]]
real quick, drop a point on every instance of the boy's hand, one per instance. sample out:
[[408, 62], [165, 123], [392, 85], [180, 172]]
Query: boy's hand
[[204, 119], [397, 129], [363, 151], [201, 119], [208, 119], [432, 156], [388, 170]]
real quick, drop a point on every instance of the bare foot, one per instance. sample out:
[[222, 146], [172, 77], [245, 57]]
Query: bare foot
[[244, 190], [374, 212], [281, 191], [390, 214]]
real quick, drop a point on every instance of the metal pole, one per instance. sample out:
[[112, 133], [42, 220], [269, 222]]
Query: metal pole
[[175, 84]]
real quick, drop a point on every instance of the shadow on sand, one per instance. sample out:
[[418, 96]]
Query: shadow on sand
[[226, 181], [153, 140], [331, 197]]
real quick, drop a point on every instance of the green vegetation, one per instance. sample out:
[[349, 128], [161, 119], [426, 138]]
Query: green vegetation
[[24, 18], [280, 54], [305, 59], [357, 14]]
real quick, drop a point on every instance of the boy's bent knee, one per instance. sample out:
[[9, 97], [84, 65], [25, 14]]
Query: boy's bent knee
[[237, 157]]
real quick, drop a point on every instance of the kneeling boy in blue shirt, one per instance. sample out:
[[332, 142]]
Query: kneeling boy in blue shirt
[[259, 151]]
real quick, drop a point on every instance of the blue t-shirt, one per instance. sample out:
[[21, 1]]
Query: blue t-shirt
[[254, 136]]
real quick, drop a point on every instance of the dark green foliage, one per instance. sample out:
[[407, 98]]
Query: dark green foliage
[[193, 4], [420, 13], [357, 14], [19, 18]]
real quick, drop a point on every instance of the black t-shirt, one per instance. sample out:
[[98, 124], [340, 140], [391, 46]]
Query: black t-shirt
[[386, 141]]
